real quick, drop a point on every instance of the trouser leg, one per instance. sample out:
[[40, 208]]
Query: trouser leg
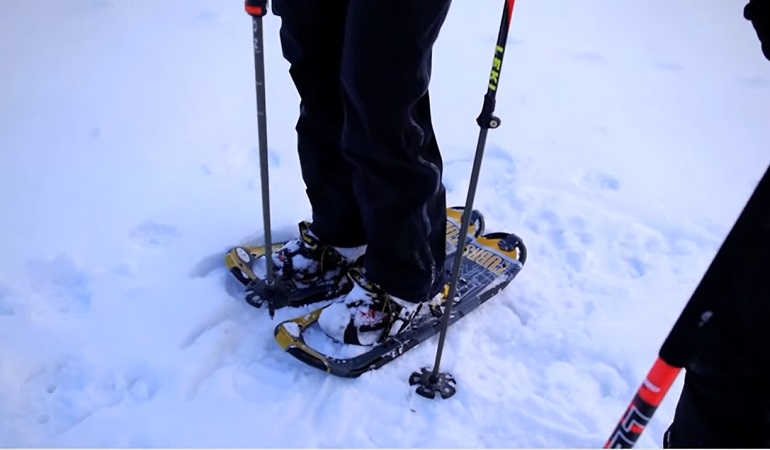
[[389, 139], [312, 37]]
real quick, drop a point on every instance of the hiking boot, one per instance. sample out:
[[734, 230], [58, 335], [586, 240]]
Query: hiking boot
[[367, 314]]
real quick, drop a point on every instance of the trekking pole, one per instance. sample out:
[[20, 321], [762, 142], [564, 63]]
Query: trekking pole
[[429, 383], [680, 345], [258, 9]]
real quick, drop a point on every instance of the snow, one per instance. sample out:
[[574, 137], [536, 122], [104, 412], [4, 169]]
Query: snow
[[632, 134]]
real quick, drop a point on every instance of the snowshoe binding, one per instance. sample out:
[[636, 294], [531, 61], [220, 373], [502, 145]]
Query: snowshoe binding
[[307, 271]]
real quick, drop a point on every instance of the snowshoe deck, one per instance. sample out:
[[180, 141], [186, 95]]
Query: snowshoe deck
[[489, 264]]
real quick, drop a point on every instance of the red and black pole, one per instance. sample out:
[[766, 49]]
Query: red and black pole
[[716, 287]]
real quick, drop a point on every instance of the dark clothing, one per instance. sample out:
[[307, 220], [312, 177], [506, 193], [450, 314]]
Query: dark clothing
[[758, 12], [369, 156], [725, 400]]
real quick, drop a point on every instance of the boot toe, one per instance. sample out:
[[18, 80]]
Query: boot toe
[[334, 319]]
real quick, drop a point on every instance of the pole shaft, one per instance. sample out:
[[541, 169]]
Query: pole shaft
[[259, 71], [486, 120]]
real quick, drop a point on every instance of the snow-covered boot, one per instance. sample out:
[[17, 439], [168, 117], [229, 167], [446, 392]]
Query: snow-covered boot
[[307, 265], [367, 314]]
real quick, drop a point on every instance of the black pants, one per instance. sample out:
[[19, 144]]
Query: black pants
[[725, 401], [369, 157]]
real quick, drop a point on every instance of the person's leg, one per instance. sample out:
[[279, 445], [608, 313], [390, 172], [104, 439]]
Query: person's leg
[[314, 265], [312, 35], [714, 413], [725, 400], [389, 139]]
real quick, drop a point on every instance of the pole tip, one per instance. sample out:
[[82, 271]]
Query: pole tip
[[430, 384]]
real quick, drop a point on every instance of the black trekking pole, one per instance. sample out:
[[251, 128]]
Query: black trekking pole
[[258, 9], [716, 287], [431, 382]]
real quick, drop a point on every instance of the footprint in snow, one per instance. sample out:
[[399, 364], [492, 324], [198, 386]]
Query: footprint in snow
[[208, 16], [598, 181], [7, 307], [566, 237], [754, 82], [590, 57], [154, 234], [64, 392], [60, 287], [141, 385], [503, 156], [667, 66]]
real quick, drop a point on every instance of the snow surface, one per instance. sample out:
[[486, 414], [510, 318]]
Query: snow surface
[[632, 135]]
